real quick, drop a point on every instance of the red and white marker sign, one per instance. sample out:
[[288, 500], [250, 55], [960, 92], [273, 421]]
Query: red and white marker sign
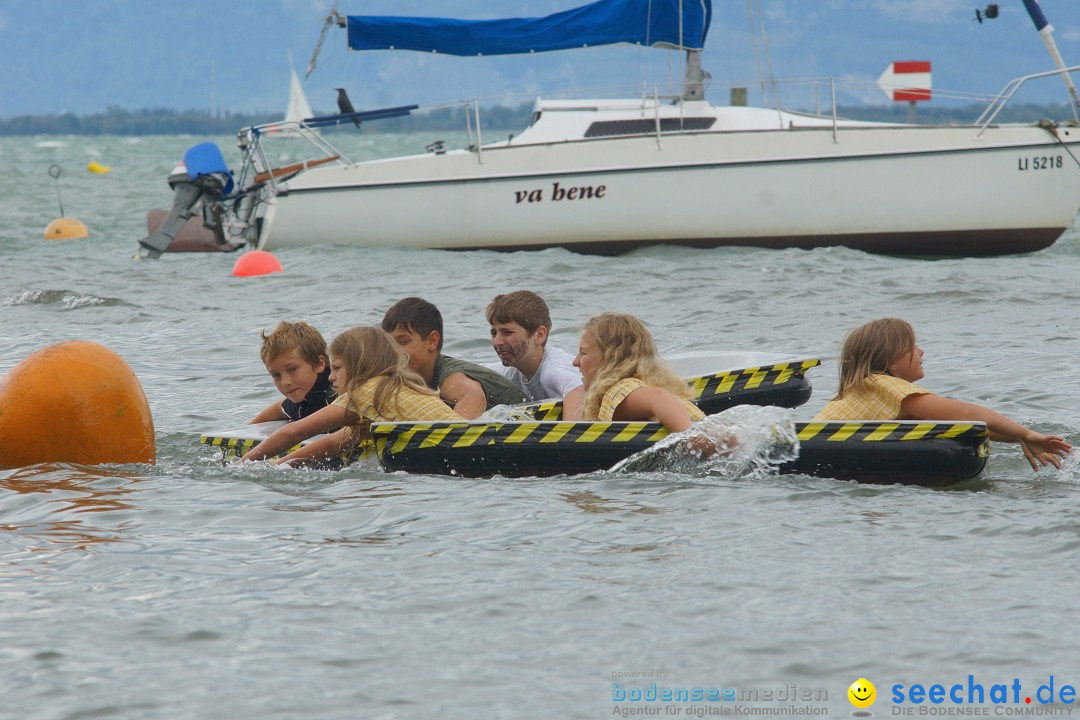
[[906, 80]]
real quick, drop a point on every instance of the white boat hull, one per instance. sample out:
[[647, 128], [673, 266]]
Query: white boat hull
[[894, 189]]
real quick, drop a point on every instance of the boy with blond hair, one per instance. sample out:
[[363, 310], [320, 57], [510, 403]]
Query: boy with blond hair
[[294, 354], [520, 323]]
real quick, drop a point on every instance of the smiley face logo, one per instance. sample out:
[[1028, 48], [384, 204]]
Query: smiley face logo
[[862, 693]]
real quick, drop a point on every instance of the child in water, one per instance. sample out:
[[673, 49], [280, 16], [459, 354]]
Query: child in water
[[470, 389], [520, 325], [294, 354], [879, 364], [625, 378], [374, 383]]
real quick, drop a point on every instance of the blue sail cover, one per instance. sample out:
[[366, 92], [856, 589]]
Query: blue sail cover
[[605, 22]]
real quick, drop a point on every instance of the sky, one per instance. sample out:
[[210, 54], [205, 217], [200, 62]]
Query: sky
[[233, 55]]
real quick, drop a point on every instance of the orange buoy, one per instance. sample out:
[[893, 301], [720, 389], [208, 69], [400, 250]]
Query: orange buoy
[[75, 401], [256, 262], [63, 228], [97, 168], [66, 228]]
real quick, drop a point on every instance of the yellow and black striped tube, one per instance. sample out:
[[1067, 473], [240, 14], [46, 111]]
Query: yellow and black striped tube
[[231, 447], [510, 448], [892, 431], [910, 452], [872, 451], [396, 437], [892, 451], [235, 447], [753, 378], [764, 385]]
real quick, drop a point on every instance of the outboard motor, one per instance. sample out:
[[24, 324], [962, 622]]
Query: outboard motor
[[202, 178]]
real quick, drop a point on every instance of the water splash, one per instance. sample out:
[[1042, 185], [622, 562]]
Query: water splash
[[1070, 468], [743, 441], [505, 413]]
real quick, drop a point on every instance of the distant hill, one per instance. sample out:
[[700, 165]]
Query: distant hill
[[116, 121], [161, 121]]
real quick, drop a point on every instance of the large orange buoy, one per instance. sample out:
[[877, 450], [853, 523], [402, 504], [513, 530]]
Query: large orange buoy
[[74, 401]]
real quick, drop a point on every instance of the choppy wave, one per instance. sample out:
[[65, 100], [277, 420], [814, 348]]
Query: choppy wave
[[67, 299]]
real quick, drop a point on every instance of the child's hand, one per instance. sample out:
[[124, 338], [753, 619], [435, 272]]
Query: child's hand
[[1042, 450]]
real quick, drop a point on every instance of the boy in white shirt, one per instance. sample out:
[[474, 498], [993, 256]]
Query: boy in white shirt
[[520, 323]]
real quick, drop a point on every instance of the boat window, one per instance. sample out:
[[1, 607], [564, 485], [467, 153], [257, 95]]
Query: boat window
[[607, 128]]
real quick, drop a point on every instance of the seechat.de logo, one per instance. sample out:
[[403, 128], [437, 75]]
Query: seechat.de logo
[[862, 694]]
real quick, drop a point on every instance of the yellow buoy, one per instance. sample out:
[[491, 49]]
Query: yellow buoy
[[98, 168], [66, 228], [75, 401]]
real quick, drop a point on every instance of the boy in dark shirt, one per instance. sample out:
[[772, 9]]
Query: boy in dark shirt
[[295, 356], [467, 387]]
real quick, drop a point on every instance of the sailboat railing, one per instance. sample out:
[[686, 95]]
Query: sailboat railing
[[1009, 91], [832, 101], [293, 128], [255, 160], [479, 139]]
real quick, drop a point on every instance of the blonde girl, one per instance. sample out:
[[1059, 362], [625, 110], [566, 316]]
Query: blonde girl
[[879, 364], [371, 375], [625, 378]]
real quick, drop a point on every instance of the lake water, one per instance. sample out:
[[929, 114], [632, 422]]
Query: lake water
[[192, 590]]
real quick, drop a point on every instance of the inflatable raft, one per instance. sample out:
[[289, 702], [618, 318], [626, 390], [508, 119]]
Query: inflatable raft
[[719, 381], [907, 452], [755, 379], [917, 453]]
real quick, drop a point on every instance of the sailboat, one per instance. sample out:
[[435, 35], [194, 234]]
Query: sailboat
[[299, 108], [605, 176]]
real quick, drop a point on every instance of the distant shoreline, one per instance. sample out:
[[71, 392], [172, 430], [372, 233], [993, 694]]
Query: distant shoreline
[[158, 121]]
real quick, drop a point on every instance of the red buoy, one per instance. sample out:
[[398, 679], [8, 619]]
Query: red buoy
[[256, 262]]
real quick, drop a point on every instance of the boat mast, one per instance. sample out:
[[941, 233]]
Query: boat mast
[[694, 87], [1045, 29], [695, 77]]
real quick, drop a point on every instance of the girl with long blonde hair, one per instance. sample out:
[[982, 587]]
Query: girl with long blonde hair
[[879, 364], [371, 374], [625, 378]]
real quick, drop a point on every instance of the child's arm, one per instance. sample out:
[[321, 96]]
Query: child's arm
[[1039, 449], [273, 411], [325, 447], [649, 402], [464, 394], [571, 403], [323, 420]]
